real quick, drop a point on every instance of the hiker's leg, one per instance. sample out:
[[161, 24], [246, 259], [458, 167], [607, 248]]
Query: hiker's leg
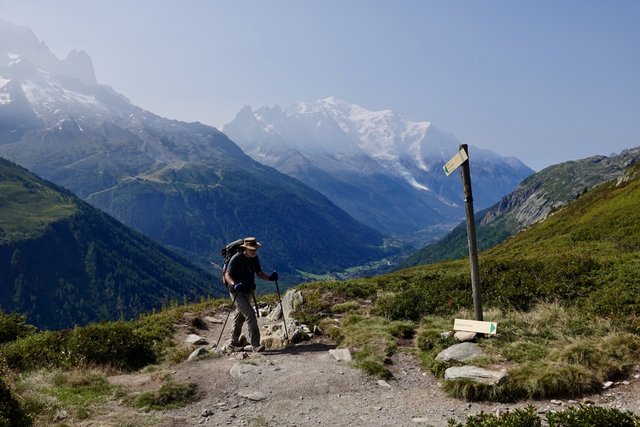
[[244, 305], [238, 320]]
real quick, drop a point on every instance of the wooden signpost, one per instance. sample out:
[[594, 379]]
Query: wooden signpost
[[461, 158]]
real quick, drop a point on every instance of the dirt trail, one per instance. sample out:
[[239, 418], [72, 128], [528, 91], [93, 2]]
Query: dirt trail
[[306, 386]]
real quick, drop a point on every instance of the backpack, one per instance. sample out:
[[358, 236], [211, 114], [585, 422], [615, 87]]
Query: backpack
[[227, 253]]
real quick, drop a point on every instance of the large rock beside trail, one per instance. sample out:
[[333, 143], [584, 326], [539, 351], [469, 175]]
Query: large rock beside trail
[[341, 354], [474, 373], [273, 336], [462, 352], [291, 300]]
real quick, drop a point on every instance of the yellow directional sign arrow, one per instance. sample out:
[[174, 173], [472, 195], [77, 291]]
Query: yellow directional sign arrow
[[459, 158], [475, 326]]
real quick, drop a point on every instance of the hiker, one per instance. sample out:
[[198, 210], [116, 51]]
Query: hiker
[[240, 279]]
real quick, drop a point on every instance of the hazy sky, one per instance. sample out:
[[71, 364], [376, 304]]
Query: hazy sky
[[543, 80]]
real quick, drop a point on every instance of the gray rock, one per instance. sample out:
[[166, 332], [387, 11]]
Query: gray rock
[[462, 352], [196, 340], [291, 300], [464, 336], [341, 354], [474, 373], [197, 354], [276, 313]]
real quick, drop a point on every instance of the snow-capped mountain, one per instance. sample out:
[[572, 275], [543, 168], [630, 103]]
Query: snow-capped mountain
[[186, 185], [383, 169], [20, 42]]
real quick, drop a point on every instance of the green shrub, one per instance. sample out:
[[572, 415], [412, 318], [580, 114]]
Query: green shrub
[[620, 298], [122, 345], [592, 416], [526, 417], [11, 413], [45, 349], [156, 330], [14, 326], [573, 416], [116, 344]]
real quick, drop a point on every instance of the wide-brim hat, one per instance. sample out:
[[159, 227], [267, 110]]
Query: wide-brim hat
[[250, 243]]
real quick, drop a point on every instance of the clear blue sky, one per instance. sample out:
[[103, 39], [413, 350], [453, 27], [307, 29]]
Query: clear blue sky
[[543, 80]]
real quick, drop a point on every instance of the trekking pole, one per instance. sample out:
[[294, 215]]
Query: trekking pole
[[255, 304], [282, 309], [225, 320]]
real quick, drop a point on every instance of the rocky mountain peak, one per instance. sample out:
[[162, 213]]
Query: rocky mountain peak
[[18, 44]]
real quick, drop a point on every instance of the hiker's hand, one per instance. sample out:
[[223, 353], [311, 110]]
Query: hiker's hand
[[238, 287], [273, 276]]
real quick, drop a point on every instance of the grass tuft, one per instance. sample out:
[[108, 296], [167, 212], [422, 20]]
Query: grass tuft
[[170, 395]]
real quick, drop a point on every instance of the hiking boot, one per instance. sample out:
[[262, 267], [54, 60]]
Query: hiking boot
[[257, 349], [232, 345]]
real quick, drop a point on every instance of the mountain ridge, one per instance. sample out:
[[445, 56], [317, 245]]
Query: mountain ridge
[[63, 262], [382, 169], [88, 138], [532, 201]]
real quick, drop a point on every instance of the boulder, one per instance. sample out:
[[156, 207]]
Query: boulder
[[341, 354], [462, 352], [474, 373], [291, 300]]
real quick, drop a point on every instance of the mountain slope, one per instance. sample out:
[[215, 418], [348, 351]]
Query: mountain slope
[[534, 199], [63, 262], [603, 223], [382, 169], [185, 184]]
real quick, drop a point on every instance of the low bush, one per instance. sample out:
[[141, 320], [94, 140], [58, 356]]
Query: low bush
[[574, 416], [592, 416], [45, 349], [526, 417], [121, 345], [116, 344], [13, 326]]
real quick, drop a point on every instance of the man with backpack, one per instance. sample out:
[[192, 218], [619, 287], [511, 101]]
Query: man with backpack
[[239, 276]]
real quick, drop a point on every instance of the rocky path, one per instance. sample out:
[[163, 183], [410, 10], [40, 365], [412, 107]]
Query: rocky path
[[306, 386]]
